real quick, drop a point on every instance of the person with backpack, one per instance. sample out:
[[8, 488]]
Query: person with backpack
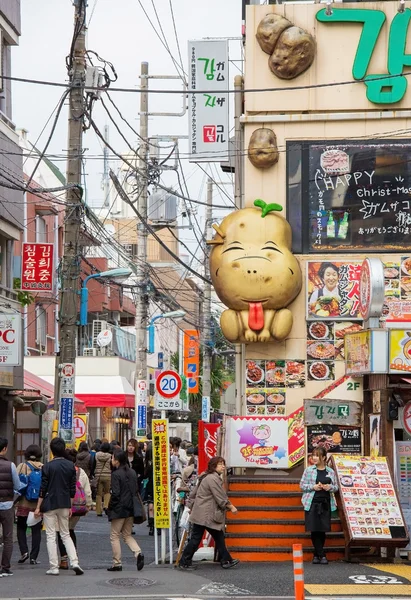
[[29, 473], [85, 460], [103, 477], [82, 503], [57, 491]]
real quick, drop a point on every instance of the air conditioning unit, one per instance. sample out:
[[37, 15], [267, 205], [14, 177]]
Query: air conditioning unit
[[162, 207], [90, 352], [98, 327]]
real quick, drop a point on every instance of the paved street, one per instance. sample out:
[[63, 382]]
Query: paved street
[[273, 580]]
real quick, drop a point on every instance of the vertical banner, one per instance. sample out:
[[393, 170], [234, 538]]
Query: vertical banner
[[37, 267], [208, 102], [207, 443], [161, 473], [375, 435], [191, 359], [80, 428]]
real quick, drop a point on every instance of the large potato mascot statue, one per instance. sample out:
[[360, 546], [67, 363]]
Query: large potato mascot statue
[[255, 274]]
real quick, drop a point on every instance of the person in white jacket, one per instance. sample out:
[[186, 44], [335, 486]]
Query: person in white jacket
[[85, 484]]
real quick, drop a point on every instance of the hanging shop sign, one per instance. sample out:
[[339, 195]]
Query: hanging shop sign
[[332, 412], [37, 267], [369, 500], [372, 288], [333, 290], [265, 442], [161, 473], [10, 339], [400, 351], [191, 359], [207, 443], [366, 352], [208, 110]]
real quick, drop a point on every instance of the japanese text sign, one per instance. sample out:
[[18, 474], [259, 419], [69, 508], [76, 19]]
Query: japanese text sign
[[10, 339], [332, 412], [191, 359], [208, 102], [333, 290], [66, 413], [37, 267], [161, 473]]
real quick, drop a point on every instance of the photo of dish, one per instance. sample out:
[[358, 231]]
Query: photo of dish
[[406, 266], [255, 399], [260, 410], [276, 398], [275, 376], [368, 468], [295, 373], [319, 330], [339, 350], [319, 370], [372, 482], [391, 272], [322, 441], [255, 374], [280, 410], [341, 329], [346, 481], [251, 410], [323, 350], [405, 286], [271, 410]]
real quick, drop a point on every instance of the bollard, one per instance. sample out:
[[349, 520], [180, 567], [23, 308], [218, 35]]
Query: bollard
[[298, 571]]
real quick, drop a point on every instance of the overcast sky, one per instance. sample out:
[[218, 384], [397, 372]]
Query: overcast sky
[[120, 33]]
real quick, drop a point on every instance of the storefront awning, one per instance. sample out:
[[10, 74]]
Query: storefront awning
[[45, 387], [103, 391]]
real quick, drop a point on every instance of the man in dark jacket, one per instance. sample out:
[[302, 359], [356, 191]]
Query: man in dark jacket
[[58, 488], [9, 484]]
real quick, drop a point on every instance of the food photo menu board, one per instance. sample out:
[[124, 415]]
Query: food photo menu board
[[267, 382], [369, 500]]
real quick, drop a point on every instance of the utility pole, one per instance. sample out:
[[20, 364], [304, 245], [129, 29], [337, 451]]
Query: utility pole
[[70, 269], [206, 378], [106, 178], [142, 272]]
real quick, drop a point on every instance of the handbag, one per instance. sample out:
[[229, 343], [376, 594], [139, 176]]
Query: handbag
[[139, 512]]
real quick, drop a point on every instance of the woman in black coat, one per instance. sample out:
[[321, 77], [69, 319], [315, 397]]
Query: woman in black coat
[[135, 461], [121, 510]]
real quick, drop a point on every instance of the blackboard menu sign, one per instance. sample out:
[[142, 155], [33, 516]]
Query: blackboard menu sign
[[369, 500], [359, 196]]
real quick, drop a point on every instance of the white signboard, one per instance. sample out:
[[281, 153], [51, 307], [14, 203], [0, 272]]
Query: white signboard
[[161, 403], [10, 339], [208, 102], [142, 391]]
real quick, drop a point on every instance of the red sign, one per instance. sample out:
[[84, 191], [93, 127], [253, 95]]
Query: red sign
[[37, 267], [169, 384], [210, 133], [207, 443]]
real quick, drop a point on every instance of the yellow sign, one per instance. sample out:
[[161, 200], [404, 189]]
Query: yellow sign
[[80, 429], [358, 352], [161, 473], [400, 351]]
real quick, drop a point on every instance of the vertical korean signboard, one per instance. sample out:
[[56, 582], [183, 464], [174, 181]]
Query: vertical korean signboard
[[37, 267], [208, 100], [161, 473], [191, 359]]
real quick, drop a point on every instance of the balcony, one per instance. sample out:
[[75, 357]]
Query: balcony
[[122, 343]]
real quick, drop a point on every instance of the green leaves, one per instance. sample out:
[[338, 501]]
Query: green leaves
[[267, 208]]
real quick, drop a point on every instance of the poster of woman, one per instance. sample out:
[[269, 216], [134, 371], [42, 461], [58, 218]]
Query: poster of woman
[[375, 435], [333, 290]]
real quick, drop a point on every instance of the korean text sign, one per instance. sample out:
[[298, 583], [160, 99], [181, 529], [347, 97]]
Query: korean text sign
[[161, 473], [191, 359], [37, 267], [208, 102]]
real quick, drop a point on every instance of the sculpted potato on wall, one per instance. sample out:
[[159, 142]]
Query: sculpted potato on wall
[[255, 274], [262, 148], [291, 49]]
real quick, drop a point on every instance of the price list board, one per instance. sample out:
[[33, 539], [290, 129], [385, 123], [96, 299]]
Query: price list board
[[404, 472], [368, 498]]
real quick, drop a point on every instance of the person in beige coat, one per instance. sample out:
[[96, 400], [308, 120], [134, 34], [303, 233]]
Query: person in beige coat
[[208, 503], [103, 477]]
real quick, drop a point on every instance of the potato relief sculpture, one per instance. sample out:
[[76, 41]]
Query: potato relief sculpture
[[255, 274]]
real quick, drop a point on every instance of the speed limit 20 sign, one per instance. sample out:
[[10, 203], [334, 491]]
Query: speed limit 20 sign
[[168, 386]]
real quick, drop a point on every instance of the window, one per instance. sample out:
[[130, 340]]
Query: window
[[349, 196], [41, 326], [41, 229]]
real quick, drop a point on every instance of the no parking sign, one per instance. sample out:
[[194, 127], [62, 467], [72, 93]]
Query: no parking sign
[[80, 423]]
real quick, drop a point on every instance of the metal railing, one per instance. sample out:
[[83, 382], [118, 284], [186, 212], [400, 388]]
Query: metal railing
[[123, 343]]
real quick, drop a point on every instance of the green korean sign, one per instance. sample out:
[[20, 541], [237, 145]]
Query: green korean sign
[[382, 88]]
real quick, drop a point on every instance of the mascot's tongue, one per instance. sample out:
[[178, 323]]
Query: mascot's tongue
[[255, 316]]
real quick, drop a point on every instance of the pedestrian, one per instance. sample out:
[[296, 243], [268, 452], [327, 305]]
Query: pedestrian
[[82, 478], [319, 485], [178, 458], [121, 510], [103, 476], [30, 469], [135, 460], [58, 488], [208, 503], [115, 446], [9, 485], [84, 459]]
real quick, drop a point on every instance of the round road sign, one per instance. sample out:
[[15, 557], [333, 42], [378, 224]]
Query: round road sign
[[168, 384]]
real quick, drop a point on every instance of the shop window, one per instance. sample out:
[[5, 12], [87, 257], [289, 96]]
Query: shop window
[[41, 229], [41, 327], [349, 196]]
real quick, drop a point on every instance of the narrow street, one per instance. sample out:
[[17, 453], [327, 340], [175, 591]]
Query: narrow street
[[249, 580]]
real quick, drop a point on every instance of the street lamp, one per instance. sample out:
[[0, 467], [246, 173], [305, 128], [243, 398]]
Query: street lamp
[[174, 314], [112, 274]]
